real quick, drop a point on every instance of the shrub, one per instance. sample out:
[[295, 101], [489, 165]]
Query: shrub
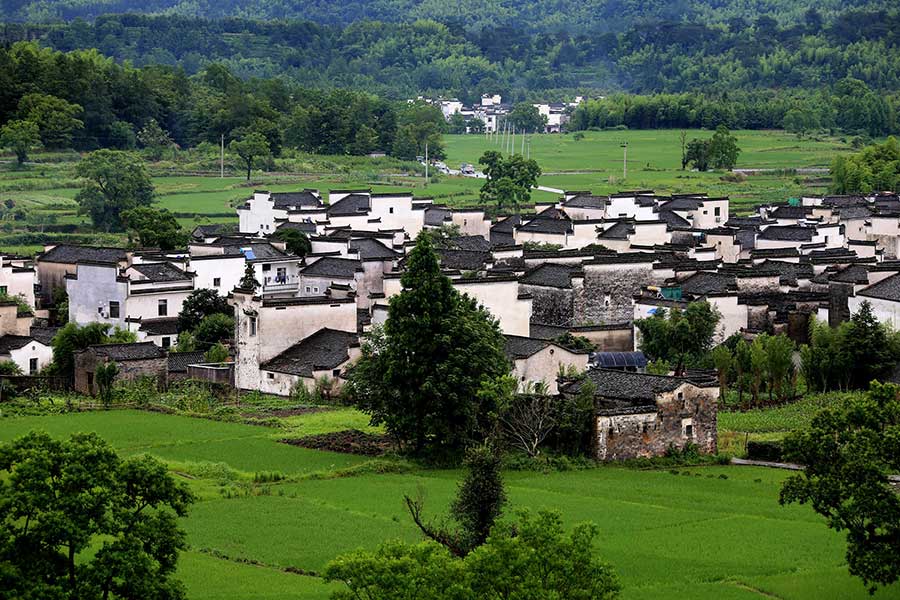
[[765, 450]]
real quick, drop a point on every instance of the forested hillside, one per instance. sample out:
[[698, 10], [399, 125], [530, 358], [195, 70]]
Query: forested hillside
[[404, 59]]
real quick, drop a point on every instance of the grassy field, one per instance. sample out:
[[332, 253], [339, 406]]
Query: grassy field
[[703, 532], [654, 160]]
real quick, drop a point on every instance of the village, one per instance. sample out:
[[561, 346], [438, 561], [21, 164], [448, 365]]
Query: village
[[585, 267]]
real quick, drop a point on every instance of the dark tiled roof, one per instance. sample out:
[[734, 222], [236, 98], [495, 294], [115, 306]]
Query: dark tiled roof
[[788, 233], [14, 342], [549, 275], [586, 201], [858, 274], [259, 251], [325, 349], [886, 289], [167, 326], [303, 226], [120, 352], [435, 216], [619, 231], [179, 361], [371, 249], [466, 242], [43, 334], [789, 272], [843, 201], [212, 230], [703, 282], [637, 388], [161, 272], [507, 225], [329, 266], [547, 225], [855, 212], [542, 331], [673, 219], [682, 204], [518, 346], [65, 253], [290, 200], [465, 260], [786, 211], [353, 204]]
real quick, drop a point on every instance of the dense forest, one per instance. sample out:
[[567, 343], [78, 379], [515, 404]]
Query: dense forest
[[709, 51]]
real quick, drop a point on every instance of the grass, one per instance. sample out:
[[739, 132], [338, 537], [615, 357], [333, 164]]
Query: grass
[[780, 419], [703, 532]]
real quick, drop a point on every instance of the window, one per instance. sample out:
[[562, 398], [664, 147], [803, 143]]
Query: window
[[113, 309], [267, 267], [281, 275], [689, 431], [252, 325], [718, 211], [167, 342], [3, 289], [307, 289], [217, 281], [163, 308], [32, 366], [270, 375], [90, 378], [391, 210], [336, 373]]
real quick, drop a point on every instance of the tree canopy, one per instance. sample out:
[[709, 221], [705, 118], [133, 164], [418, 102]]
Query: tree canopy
[[876, 168], [420, 375], [20, 137], [509, 179], [114, 182], [201, 303], [154, 227], [848, 452], [78, 521], [677, 335]]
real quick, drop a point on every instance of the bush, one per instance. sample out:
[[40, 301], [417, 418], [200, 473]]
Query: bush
[[771, 451]]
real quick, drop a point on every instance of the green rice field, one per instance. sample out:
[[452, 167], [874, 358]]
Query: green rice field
[[713, 532]]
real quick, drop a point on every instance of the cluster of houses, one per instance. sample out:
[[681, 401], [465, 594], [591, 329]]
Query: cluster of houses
[[585, 265], [491, 111]]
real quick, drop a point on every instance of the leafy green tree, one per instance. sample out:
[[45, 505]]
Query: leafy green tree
[[780, 368], [759, 364], [115, 182], [213, 329], [678, 336], [867, 348], [217, 353], [525, 117], [73, 337], [875, 168], [478, 504], [251, 147], [105, 376], [509, 179], [199, 304], [154, 139], [296, 242], [248, 281], [529, 559], [419, 124], [56, 118], [155, 228], [185, 343], [420, 376], [20, 137], [79, 522], [723, 149], [723, 359], [697, 154], [457, 123], [848, 451]]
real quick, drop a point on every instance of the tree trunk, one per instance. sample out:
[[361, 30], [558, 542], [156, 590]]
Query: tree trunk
[[249, 168]]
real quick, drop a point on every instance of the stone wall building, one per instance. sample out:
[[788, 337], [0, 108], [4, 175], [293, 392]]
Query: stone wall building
[[144, 359], [641, 416]]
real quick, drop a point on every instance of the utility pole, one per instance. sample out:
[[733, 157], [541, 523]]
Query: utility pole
[[512, 145], [523, 143], [625, 160], [222, 157], [426, 163]]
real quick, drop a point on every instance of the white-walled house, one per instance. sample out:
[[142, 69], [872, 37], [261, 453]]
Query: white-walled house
[[540, 362], [884, 297], [28, 353], [262, 212], [17, 279]]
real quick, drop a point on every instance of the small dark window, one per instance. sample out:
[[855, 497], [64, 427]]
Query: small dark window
[[680, 396], [32, 366], [90, 378], [163, 308], [267, 267], [270, 375], [391, 210], [718, 211], [3, 289], [217, 281], [113, 309], [689, 431], [336, 373], [252, 325], [167, 342]]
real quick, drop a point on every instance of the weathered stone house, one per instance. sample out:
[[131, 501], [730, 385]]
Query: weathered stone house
[[143, 359], [641, 416]]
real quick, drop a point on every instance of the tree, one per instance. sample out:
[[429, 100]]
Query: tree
[[509, 180], [526, 117], [524, 560], [457, 123], [56, 118], [684, 159], [79, 522], [185, 343], [20, 137], [105, 375], [697, 154], [723, 149], [248, 281], [867, 348], [154, 139], [419, 124], [421, 374], [848, 451], [478, 504], [528, 420], [296, 242], [723, 360], [213, 329], [217, 353], [678, 335], [155, 228], [250, 147], [201, 303], [875, 168], [115, 182]]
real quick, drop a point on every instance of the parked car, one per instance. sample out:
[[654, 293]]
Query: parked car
[[467, 169]]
